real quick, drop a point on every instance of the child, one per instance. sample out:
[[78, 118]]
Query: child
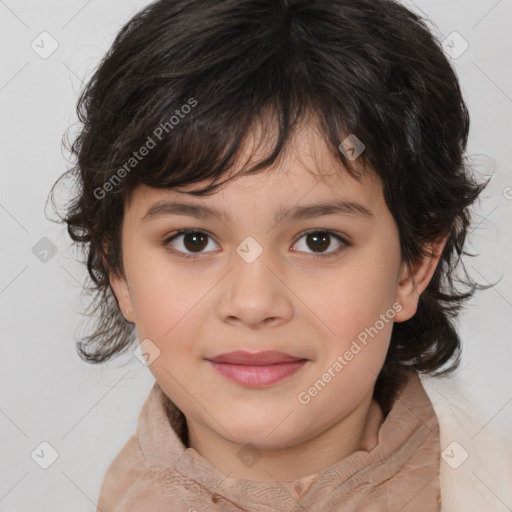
[[274, 201]]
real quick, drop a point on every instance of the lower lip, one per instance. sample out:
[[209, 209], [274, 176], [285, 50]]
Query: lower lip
[[258, 376]]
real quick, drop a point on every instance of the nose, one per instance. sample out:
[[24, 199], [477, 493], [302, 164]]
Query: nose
[[254, 294]]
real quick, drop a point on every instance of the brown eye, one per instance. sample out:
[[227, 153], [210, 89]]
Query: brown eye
[[194, 241], [319, 241], [188, 241]]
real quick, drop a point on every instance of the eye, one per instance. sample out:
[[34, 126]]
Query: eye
[[320, 240], [193, 240]]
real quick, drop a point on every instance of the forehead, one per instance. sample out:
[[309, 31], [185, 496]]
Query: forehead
[[305, 172]]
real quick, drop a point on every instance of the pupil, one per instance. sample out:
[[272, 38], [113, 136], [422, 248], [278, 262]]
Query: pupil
[[319, 241], [196, 244]]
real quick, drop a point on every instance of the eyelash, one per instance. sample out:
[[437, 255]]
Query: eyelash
[[180, 232]]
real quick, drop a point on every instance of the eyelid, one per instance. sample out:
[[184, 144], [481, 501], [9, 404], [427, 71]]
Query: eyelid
[[185, 231], [340, 237]]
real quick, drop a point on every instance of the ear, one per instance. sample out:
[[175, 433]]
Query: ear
[[121, 291], [413, 280]]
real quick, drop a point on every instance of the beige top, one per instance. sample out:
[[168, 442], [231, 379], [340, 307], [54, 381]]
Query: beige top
[[155, 471]]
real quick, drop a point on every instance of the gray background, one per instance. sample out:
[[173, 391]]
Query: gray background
[[88, 412]]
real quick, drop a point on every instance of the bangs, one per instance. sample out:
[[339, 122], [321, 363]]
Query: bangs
[[248, 145], [194, 113], [196, 91]]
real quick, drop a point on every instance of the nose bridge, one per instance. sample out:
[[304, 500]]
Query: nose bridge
[[253, 294], [251, 274]]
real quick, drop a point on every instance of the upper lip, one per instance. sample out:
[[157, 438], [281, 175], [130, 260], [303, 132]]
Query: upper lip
[[244, 357]]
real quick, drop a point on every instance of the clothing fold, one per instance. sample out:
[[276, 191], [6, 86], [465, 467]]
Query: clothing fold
[[157, 471]]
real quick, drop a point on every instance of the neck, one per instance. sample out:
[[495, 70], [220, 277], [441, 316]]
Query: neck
[[358, 431]]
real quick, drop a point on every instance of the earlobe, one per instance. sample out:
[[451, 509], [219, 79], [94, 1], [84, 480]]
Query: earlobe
[[414, 280]]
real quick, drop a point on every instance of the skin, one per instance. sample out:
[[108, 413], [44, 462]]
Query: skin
[[291, 298]]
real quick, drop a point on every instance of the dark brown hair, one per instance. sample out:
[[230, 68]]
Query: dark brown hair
[[194, 76]]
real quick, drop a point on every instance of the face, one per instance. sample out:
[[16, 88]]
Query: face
[[321, 285]]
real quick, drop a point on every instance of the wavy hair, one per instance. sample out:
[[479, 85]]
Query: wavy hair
[[371, 68]]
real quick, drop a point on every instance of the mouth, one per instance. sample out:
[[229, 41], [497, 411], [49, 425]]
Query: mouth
[[256, 369]]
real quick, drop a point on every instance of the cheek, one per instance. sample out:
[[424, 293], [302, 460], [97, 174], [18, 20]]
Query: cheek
[[169, 312], [164, 296], [352, 297]]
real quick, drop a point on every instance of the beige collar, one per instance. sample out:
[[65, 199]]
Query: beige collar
[[400, 473]]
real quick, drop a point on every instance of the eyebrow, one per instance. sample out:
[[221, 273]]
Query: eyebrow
[[199, 211]]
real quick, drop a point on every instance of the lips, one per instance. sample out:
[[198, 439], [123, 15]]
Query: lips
[[254, 358], [256, 369]]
